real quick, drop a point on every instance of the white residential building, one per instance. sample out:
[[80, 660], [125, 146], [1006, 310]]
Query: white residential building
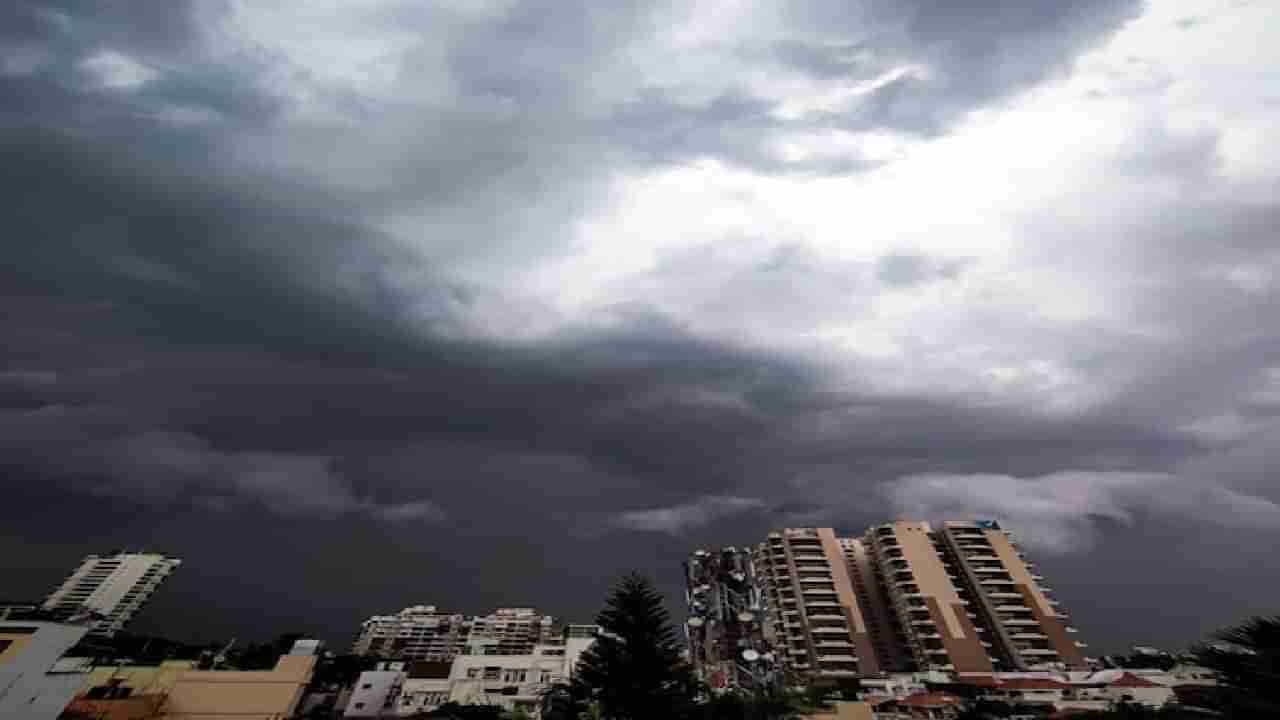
[[377, 691], [422, 632], [114, 586], [503, 680], [418, 632]]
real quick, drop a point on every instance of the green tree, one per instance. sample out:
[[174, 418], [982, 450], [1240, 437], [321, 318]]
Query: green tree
[[633, 671], [1247, 660]]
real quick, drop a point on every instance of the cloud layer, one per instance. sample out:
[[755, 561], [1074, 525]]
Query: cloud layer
[[475, 281]]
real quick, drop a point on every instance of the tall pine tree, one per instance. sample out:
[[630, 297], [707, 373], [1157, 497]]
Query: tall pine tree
[[634, 671]]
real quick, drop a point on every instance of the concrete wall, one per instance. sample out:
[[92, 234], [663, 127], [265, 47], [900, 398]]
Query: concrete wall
[[29, 689]]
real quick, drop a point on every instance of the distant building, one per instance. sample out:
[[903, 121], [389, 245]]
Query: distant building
[[509, 681], [727, 620], [112, 587], [510, 631], [33, 684], [422, 632]]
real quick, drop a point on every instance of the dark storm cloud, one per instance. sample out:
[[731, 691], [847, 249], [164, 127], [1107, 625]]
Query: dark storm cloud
[[252, 333]]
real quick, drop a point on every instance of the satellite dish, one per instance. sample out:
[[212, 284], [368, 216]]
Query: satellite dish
[[750, 655], [768, 656], [696, 622], [746, 616]]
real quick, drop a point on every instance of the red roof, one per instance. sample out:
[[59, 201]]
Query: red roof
[[1131, 680], [930, 699]]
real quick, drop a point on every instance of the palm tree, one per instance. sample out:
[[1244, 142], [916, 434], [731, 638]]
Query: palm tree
[[1247, 660]]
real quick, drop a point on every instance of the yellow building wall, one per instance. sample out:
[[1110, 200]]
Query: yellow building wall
[[256, 695]]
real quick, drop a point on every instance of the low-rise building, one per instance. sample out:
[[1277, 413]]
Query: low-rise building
[[34, 685], [511, 682], [240, 694], [377, 692]]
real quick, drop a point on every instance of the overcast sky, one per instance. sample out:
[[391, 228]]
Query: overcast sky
[[366, 304]]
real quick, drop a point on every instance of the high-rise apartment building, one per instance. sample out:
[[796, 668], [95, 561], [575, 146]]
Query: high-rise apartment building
[[727, 620], [422, 632], [114, 586], [1027, 627], [969, 601], [819, 626], [934, 610], [904, 596]]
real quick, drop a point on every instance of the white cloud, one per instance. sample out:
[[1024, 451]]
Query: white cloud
[[1060, 512], [678, 519], [116, 71]]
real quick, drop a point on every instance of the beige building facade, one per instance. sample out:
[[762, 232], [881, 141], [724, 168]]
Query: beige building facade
[[905, 596], [818, 626]]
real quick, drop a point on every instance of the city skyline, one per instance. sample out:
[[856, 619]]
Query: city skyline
[[485, 303]]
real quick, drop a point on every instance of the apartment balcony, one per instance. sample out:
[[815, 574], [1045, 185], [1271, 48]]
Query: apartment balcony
[[1020, 622], [841, 657], [818, 615], [1038, 652], [982, 558], [1029, 636], [923, 622], [998, 595], [832, 644]]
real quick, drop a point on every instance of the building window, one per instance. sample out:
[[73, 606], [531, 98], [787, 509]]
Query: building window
[[359, 706], [366, 686], [473, 672]]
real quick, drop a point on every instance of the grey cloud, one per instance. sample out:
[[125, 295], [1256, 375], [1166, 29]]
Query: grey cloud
[[234, 311], [906, 270], [1060, 512], [678, 519], [104, 451]]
